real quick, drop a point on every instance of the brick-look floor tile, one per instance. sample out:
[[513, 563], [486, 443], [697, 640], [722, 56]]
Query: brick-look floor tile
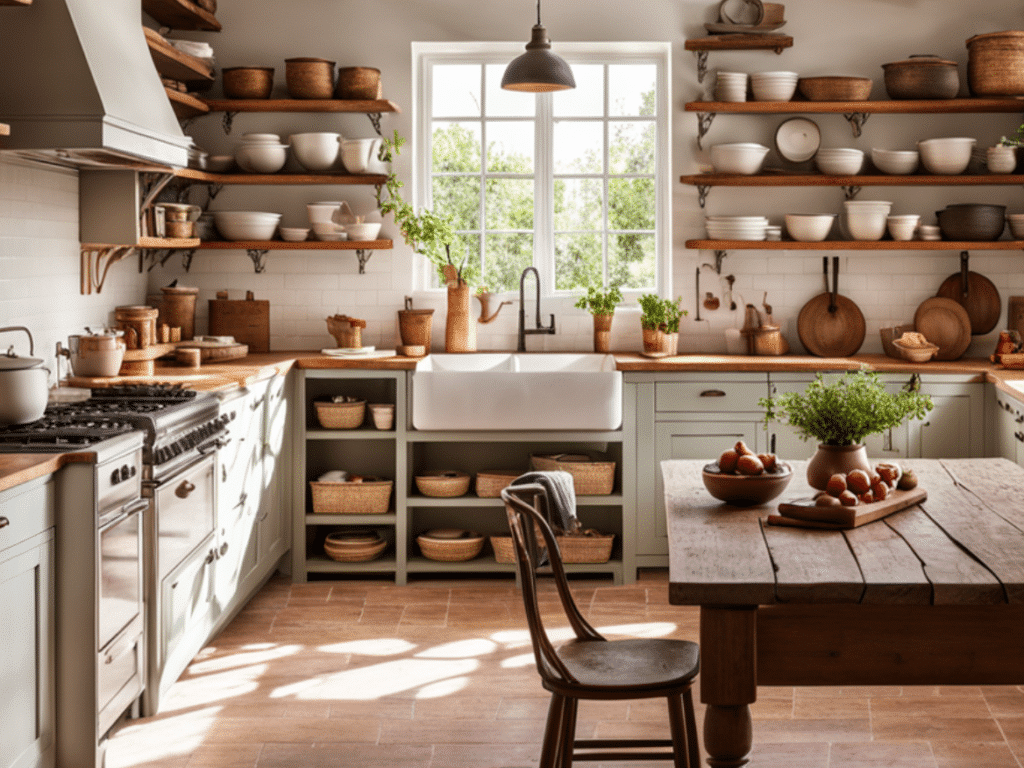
[[951, 754], [882, 755]]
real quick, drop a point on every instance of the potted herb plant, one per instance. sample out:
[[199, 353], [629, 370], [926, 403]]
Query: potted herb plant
[[601, 304], [659, 322], [840, 414]]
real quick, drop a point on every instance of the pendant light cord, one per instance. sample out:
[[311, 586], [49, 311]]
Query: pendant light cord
[[538, 13]]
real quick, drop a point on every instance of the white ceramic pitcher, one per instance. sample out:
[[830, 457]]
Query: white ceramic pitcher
[[361, 156]]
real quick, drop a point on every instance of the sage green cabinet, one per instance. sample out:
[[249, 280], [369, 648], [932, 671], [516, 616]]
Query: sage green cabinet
[[1008, 425]]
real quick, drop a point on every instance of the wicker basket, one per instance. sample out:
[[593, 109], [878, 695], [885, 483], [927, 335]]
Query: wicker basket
[[340, 415], [995, 64], [444, 484], [248, 82], [370, 497], [835, 88], [309, 78], [358, 83], [594, 547], [454, 550], [490, 482], [350, 547], [590, 476]]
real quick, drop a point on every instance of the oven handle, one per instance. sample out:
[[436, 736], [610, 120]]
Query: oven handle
[[111, 519], [214, 445]]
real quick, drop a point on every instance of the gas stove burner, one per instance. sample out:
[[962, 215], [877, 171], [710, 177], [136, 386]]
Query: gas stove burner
[[50, 434], [171, 392]]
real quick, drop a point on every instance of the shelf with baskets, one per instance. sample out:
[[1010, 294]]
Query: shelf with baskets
[[372, 108]]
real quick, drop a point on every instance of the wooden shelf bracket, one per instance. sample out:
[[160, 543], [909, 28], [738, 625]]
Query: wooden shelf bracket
[[227, 122], [259, 259], [96, 260]]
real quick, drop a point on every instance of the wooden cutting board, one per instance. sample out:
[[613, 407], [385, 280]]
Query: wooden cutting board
[[214, 351], [803, 513], [248, 320]]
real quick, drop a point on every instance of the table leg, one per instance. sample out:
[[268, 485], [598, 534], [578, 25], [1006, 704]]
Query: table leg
[[728, 682]]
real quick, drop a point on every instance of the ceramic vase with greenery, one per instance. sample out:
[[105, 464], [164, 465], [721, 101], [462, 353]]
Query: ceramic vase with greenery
[[659, 323], [601, 304], [840, 414]]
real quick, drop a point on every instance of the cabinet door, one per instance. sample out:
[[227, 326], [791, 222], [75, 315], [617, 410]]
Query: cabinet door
[[273, 520], [186, 612], [26, 666], [686, 440], [955, 427]]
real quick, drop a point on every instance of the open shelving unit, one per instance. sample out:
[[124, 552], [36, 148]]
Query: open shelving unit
[[283, 179], [856, 245], [181, 14]]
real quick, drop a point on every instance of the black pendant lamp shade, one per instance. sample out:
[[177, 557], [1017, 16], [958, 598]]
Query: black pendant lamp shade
[[539, 70]]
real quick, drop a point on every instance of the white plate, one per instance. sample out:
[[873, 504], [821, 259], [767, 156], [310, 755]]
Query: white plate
[[348, 351], [797, 139]]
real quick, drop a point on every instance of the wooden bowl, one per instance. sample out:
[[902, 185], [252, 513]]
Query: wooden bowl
[[446, 483], [744, 490], [835, 88]]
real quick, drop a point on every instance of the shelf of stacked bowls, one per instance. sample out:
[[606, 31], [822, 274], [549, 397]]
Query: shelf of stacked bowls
[[743, 158], [946, 156], [261, 153], [773, 86], [736, 227], [866, 219], [316, 152], [839, 161], [809, 227], [321, 220], [896, 162], [246, 225], [731, 86]]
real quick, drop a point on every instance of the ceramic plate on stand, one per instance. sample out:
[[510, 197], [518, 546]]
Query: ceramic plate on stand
[[797, 139]]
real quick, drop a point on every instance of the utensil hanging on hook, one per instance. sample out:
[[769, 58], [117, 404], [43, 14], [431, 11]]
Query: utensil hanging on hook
[[831, 325]]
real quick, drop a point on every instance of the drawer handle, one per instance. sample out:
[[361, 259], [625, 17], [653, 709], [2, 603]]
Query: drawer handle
[[712, 393], [4, 522], [184, 490]]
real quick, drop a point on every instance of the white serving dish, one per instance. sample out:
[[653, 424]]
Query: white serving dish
[[322, 212], [368, 230], [797, 139], [294, 234], [773, 86], [809, 227], [260, 138], [903, 226], [839, 161], [743, 158], [246, 225], [947, 156], [898, 162], [316, 152], [261, 158]]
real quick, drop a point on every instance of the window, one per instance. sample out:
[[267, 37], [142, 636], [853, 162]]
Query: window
[[574, 182]]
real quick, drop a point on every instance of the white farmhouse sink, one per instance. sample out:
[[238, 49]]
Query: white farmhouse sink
[[517, 391]]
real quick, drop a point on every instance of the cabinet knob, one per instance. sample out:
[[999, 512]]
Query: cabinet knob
[[712, 393], [184, 490]]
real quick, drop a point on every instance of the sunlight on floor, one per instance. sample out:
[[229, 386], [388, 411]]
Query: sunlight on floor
[[243, 659], [378, 680], [161, 739]]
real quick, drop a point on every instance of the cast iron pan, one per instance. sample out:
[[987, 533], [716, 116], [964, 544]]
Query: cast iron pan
[[830, 325], [975, 293]]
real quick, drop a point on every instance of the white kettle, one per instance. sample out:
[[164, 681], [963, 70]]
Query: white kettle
[[363, 156], [24, 385]]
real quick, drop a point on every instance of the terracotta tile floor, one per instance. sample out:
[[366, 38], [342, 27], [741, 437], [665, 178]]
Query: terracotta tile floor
[[440, 675]]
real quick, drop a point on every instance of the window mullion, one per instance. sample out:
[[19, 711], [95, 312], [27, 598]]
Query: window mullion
[[543, 193]]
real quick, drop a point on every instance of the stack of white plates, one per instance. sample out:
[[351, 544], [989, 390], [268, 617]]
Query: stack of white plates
[[731, 86], [773, 86], [839, 161], [736, 227]]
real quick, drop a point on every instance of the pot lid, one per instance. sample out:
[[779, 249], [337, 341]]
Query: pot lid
[[10, 361]]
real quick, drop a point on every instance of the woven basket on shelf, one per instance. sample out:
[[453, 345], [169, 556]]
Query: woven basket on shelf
[[447, 483], [995, 64], [247, 82], [340, 415], [590, 476], [358, 83], [593, 547], [308, 78], [350, 547], [369, 497], [490, 482], [454, 550]]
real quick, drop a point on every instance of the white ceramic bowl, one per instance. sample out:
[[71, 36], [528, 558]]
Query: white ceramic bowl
[[368, 230], [903, 226], [326, 230], [773, 86], [260, 138], [809, 227], [246, 225], [294, 234], [1016, 222], [947, 157], [866, 222], [261, 158], [839, 161], [321, 213], [898, 162], [742, 158], [315, 152], [1001, 159]]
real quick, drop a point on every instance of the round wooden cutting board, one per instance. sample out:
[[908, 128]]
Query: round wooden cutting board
[[946, 324], [976, 294], [831, 334]]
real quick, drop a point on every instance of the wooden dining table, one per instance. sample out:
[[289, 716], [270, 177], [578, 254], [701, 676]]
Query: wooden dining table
[[930, 595]]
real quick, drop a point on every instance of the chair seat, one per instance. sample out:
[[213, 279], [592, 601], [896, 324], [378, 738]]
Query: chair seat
[[635, 666]]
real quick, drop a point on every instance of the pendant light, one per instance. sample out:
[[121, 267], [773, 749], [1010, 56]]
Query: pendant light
[[539, 70]]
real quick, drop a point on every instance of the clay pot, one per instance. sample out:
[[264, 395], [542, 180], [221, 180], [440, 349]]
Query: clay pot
[[603, 333], [460, 328], [835, 459]]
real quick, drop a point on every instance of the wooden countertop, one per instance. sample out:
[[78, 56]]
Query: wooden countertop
[[632, 361], [18, 468]]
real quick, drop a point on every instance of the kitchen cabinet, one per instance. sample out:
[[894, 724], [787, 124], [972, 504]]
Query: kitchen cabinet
[[1008, 427], [27, 680]]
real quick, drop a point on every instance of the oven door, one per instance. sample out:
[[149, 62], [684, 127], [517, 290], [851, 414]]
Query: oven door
[[120, 598], [184, 510]]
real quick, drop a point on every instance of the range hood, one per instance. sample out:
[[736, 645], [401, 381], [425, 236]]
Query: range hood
[[79, 88]]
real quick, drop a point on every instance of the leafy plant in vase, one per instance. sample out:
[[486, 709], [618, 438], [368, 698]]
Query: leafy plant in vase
[[840, 414], [431, 234], [659, 323], [601, 304]]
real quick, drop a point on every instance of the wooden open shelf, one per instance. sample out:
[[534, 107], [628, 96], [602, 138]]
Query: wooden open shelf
[[281, 179], [174, 64], [803, 179], [181, 14], [5, 129], [750, 41], [305, 245], [887, 106], [302, 105], [16, 2], [185, 105], [856, 245]]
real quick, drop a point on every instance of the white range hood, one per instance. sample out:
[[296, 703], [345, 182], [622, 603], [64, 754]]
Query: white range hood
[[78, 87]]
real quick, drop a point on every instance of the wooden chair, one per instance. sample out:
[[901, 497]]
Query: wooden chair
[[591, 667]]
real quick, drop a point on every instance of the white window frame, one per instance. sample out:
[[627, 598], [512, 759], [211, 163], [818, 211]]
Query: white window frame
[[659, 54]]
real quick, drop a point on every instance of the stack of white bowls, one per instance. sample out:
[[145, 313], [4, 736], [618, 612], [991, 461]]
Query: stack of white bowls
[[261, 153], [246, 225], [742, 158], [773, 86], [839, 161], [903, 226], [736, 227], [321, 219], [866, 219], [930, 232], [731, 86]]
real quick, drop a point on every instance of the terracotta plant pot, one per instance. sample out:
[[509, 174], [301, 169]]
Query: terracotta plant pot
[[603, 333], [658, 342], [835, 459]]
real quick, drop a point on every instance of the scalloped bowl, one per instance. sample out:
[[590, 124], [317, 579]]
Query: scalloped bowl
[[745, 490]]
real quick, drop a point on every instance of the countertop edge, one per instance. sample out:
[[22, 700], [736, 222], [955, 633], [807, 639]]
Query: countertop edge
[[18, 468]]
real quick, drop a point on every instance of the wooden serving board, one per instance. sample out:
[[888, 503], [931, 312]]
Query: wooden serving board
[[214, 351], [804, 513], [248, 320]]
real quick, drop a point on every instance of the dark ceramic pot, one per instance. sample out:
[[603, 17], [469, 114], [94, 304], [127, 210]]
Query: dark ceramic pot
[[922, 77], [972, 221]]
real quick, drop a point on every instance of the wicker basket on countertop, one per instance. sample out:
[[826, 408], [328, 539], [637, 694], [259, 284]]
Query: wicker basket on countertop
[[591, 476], [490, 482], [344, 415], [369, 496]]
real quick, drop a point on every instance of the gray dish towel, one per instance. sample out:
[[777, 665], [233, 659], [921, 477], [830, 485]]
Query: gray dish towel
[[561, 492]]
